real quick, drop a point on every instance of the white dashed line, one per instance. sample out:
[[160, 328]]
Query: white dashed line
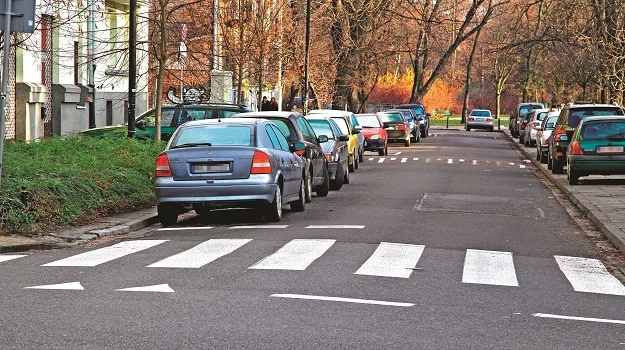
[[371, 159], [336, 226], [573, 318], [403, 160], [428, 160], [415, 158], [474, 162], [381, 160], [393, 158], [461, 160], [450, 161], [345, 300]]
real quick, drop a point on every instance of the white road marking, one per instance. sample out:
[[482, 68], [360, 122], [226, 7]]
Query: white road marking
[[403, 160], [396, 154], [4, 258], [392, 260], [336, 226], [498, 163], [522, 166], [415, 158], [527, 161], [574, 318], [159, 288], [511, 163], [428, 160], [489, 267], [474, 162], [184, 228], [393, 158], [450, 161], [381, 160], [202, 253], [371, 158], [99, 256], [438, 159], [257, 226], [461, 160], [61, 286], [589, 275], [345, 300], [298, 254]]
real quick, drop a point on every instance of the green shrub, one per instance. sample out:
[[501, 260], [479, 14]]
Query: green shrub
[[75, 179]]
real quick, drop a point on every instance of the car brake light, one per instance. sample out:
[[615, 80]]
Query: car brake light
[[558, 133], [300, 152], [261, 164], [162, 166], [401, 127], [489, 119], [575, 149], [470, 119], [328, 157]]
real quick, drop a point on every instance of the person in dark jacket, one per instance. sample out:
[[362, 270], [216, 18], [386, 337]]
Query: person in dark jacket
[[265, 105], [273, 104]]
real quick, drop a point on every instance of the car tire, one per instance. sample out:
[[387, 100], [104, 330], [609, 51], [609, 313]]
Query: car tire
[[538, 154], [492, 129], [356, 162], [273, 210], [337, 183], [418, 137], [300, 203], [361, 156], [557, 166], [543, 157], [572, 176], [407, 142], [346, 178], [322, 190], [167, 214], [521, 139], [467, 128], [381, 151], [350, 167], [308, 186], [549, 161], [424, 133]]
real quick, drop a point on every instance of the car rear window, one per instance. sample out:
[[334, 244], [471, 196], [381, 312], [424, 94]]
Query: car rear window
[[576, 115], [604, 130], [150, 117], [391, 117], [551, 123], [480, 113], [216, 135], [368, 121], [322, 127], [528, 108]]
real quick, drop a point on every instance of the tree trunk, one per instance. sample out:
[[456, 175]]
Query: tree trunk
[[467, 83], [162, 61]]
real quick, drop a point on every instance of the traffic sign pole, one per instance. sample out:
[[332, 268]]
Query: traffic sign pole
[[4, 95]]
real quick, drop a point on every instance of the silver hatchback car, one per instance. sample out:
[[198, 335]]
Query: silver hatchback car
[[227, 163]]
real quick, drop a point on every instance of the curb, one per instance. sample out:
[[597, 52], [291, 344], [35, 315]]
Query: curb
[[614, 234], [130, 226]]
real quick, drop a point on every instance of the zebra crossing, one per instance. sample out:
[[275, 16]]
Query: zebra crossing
[[446, 160], [390, 260]]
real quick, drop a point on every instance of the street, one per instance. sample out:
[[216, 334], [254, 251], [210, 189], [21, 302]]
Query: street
[[451, 243]]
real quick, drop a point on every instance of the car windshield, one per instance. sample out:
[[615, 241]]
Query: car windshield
[[551, 123], [604, 130], [322, 127], [368, 121], [528, 108], [215, 135], [342, 124], [575, 116], [149, 119], [391, 117], [480, 113]]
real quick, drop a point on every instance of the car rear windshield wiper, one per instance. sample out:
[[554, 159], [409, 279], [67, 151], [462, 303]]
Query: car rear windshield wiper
[[192, 145]]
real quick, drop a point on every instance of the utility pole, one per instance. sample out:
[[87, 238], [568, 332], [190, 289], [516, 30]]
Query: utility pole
[[132, 67], [5, 78], [91, 67], [306, 60]]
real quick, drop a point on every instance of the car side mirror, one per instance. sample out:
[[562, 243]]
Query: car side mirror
[[322, 138], [297, 146], [344, 138], [355, 130]]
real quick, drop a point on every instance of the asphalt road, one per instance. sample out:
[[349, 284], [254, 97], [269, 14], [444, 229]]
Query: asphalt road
[[452, 243]]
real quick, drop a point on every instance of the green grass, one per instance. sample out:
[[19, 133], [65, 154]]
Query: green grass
[[73, 180], [454, 121]]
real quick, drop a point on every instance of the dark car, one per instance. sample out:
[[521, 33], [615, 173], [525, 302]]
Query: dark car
[[396, 126], [424, 118], [296, 128], [526, 119], [413, 121], [568, 120], [335, 148], [376, 137], [228, 163], [172, 117], [517, 117], [597, 147]]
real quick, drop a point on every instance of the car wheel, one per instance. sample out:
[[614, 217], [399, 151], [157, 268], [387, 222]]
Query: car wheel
[[521, 139], [322, 190], [549, 161], [467, 128], [346, 178], [308, 187], [337, 183], [557, 166], [273, 211], [407, 142], [300, 203], [350, 167], [424, 133], [361, 156], [572, 176], [167, 214], [537, 153], [492, 129], [543, 157], [418, 137], [381, 151], [356, 162]]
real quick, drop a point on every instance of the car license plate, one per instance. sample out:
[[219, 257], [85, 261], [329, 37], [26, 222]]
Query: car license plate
[[211, 168], [609, 149]]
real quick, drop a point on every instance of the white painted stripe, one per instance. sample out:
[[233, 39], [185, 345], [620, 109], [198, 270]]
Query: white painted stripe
[[498, 163], [100, 256], [438, 159], [403, 160], [159, 288], [489, 267], [345, 300], [474, 162], [522, 166], [184, 228], [258, 226], [511, 163], [589, 275], [428, 160], [393, 158], [336, 226], [4, 258], [371, 158], [396, 154], [415, 158], [63, 286], [392, 260], [298, 254], [461, 160], [450, 161], [381, 160], [202, 253], [574, 318]]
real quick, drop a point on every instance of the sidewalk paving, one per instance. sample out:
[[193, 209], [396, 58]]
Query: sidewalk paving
[[602, 200]]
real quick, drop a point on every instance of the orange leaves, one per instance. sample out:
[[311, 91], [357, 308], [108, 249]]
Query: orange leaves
[[442, 96]]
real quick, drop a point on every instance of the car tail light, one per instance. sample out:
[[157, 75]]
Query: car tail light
[[261, 164], [558, 133], [489, 119], [575, 149], [328, 157], [470, 119], [162, 166], [300, 152], [401, 127]]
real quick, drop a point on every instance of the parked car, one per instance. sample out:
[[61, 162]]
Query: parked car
[[542, 137], [396, 127], [335, 149], [536, 118], [597, 147], [569, 118], [424, 118], [517, 117], [413, 121], [345, 120], [295, 127], [227, 163], [172, 117], [480, 119], [524, 122], [376, 137]]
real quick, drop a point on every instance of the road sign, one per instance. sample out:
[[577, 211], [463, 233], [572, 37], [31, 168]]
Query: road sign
[[22, 15]]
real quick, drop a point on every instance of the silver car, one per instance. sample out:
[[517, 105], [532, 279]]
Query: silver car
[[227, 163], [535, 121], [480, 119], [542, 137]]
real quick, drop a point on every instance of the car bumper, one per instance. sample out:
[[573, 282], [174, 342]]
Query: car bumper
[[559, 149], [599, 165], [478, 125], [398, 135], [374, 145], [220, 193]]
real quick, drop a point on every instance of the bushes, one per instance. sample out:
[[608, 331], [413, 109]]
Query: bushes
[[74, 179]]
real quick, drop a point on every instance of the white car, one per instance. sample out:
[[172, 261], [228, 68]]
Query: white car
[[480, 119], [535, 121], [542, 137]]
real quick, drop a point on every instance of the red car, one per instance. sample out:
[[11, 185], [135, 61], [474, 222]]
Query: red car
[[376, 138]]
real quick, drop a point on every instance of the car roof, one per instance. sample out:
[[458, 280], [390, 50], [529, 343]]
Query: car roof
[[318, 116], [604, 117], [590, 105], [485, 110], [266, 114], [331, 112], [233, 120]]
